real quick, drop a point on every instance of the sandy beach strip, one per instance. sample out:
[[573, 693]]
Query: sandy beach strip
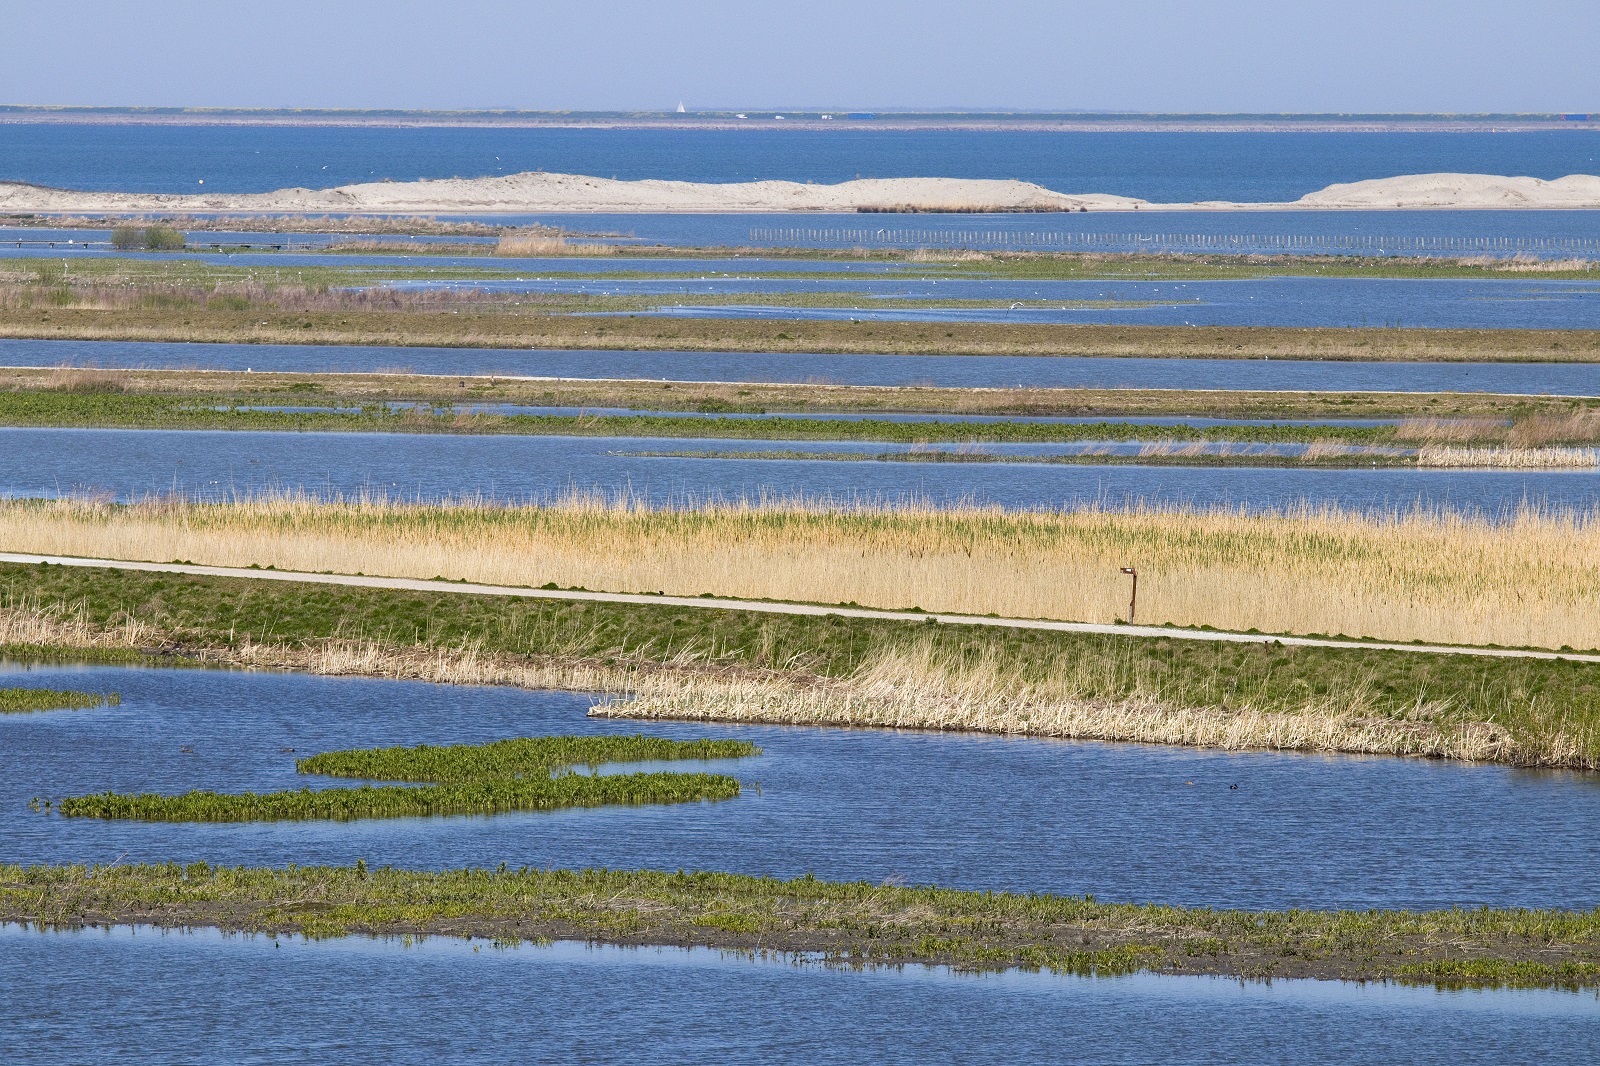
[[540, 192]]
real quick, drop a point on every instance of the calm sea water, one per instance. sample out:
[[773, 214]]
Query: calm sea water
[[964, 371], [1171, 167], [1123, 822], [129, 464], [139, 994]]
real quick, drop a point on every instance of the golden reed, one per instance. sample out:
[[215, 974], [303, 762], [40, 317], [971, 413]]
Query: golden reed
[[1529, 579]]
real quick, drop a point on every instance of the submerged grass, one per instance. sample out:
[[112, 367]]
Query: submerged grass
[[850, 923], [510, 775], [24, 700]]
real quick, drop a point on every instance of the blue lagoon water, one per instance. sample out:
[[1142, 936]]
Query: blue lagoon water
[[1123, 822], [959, 371], [188, 997], [222, 464]]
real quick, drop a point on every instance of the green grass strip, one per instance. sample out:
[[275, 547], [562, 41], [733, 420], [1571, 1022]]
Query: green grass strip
[[856, 923], [394, 801], [507, 760], [24, 700]]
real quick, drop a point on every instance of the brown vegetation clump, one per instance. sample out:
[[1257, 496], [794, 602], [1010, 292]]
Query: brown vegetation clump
[[543, 244]]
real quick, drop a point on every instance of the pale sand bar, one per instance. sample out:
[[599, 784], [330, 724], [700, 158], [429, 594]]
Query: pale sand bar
[[539, 193]]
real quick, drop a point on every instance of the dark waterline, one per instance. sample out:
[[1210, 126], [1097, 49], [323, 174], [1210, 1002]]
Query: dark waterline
[[958, 371], [256, 999], [1123, 822], [222, 464]]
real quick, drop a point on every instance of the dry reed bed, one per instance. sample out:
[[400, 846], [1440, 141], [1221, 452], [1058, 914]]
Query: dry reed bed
[[904, 688], [895, 697], [542, 244], [1532, 579], [1509, 458]]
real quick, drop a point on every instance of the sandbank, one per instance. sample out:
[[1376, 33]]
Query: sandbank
[[539, 192]]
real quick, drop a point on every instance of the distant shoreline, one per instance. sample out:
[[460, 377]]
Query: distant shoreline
[[807, 120]]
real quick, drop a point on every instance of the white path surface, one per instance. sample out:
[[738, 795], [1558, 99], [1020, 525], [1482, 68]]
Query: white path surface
[[769, 607]]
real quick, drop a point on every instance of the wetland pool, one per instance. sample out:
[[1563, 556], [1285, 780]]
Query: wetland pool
[[108, 996], [1285, 302], [1123, 822], [954, 371], [227, 464]]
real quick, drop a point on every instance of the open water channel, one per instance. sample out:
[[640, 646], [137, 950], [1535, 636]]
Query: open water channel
[[1119, 821], [114, 996], [227, 464], [955, 371], [1124, 822]]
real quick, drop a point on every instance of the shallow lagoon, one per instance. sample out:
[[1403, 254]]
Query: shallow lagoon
[[1123, 822], [192, 996], [225, 464], [962, 371], [1298, 302]]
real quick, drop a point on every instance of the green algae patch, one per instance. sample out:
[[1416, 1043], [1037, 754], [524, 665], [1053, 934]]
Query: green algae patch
[[527, 774]]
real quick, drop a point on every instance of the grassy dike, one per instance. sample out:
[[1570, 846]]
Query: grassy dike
[[848, 923], [115, 410], [1522, 711], [469, 327], [235, 388]]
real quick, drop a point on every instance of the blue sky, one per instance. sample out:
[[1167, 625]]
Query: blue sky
[[1240, 56]]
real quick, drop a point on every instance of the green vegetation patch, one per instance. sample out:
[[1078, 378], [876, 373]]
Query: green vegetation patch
[[513, 759], [347, 804], [855, 923], [507, 775], [23, 700]]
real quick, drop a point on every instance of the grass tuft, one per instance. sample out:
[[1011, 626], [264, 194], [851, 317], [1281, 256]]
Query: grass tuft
[[24, 700]]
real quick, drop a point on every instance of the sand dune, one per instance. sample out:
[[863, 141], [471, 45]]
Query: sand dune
[[1479, 191], [541, 192]]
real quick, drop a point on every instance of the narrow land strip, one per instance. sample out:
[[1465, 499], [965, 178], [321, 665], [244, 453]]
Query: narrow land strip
[[769, 607], [850, 923], [472, 328], [735, 397], [660, 660]]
